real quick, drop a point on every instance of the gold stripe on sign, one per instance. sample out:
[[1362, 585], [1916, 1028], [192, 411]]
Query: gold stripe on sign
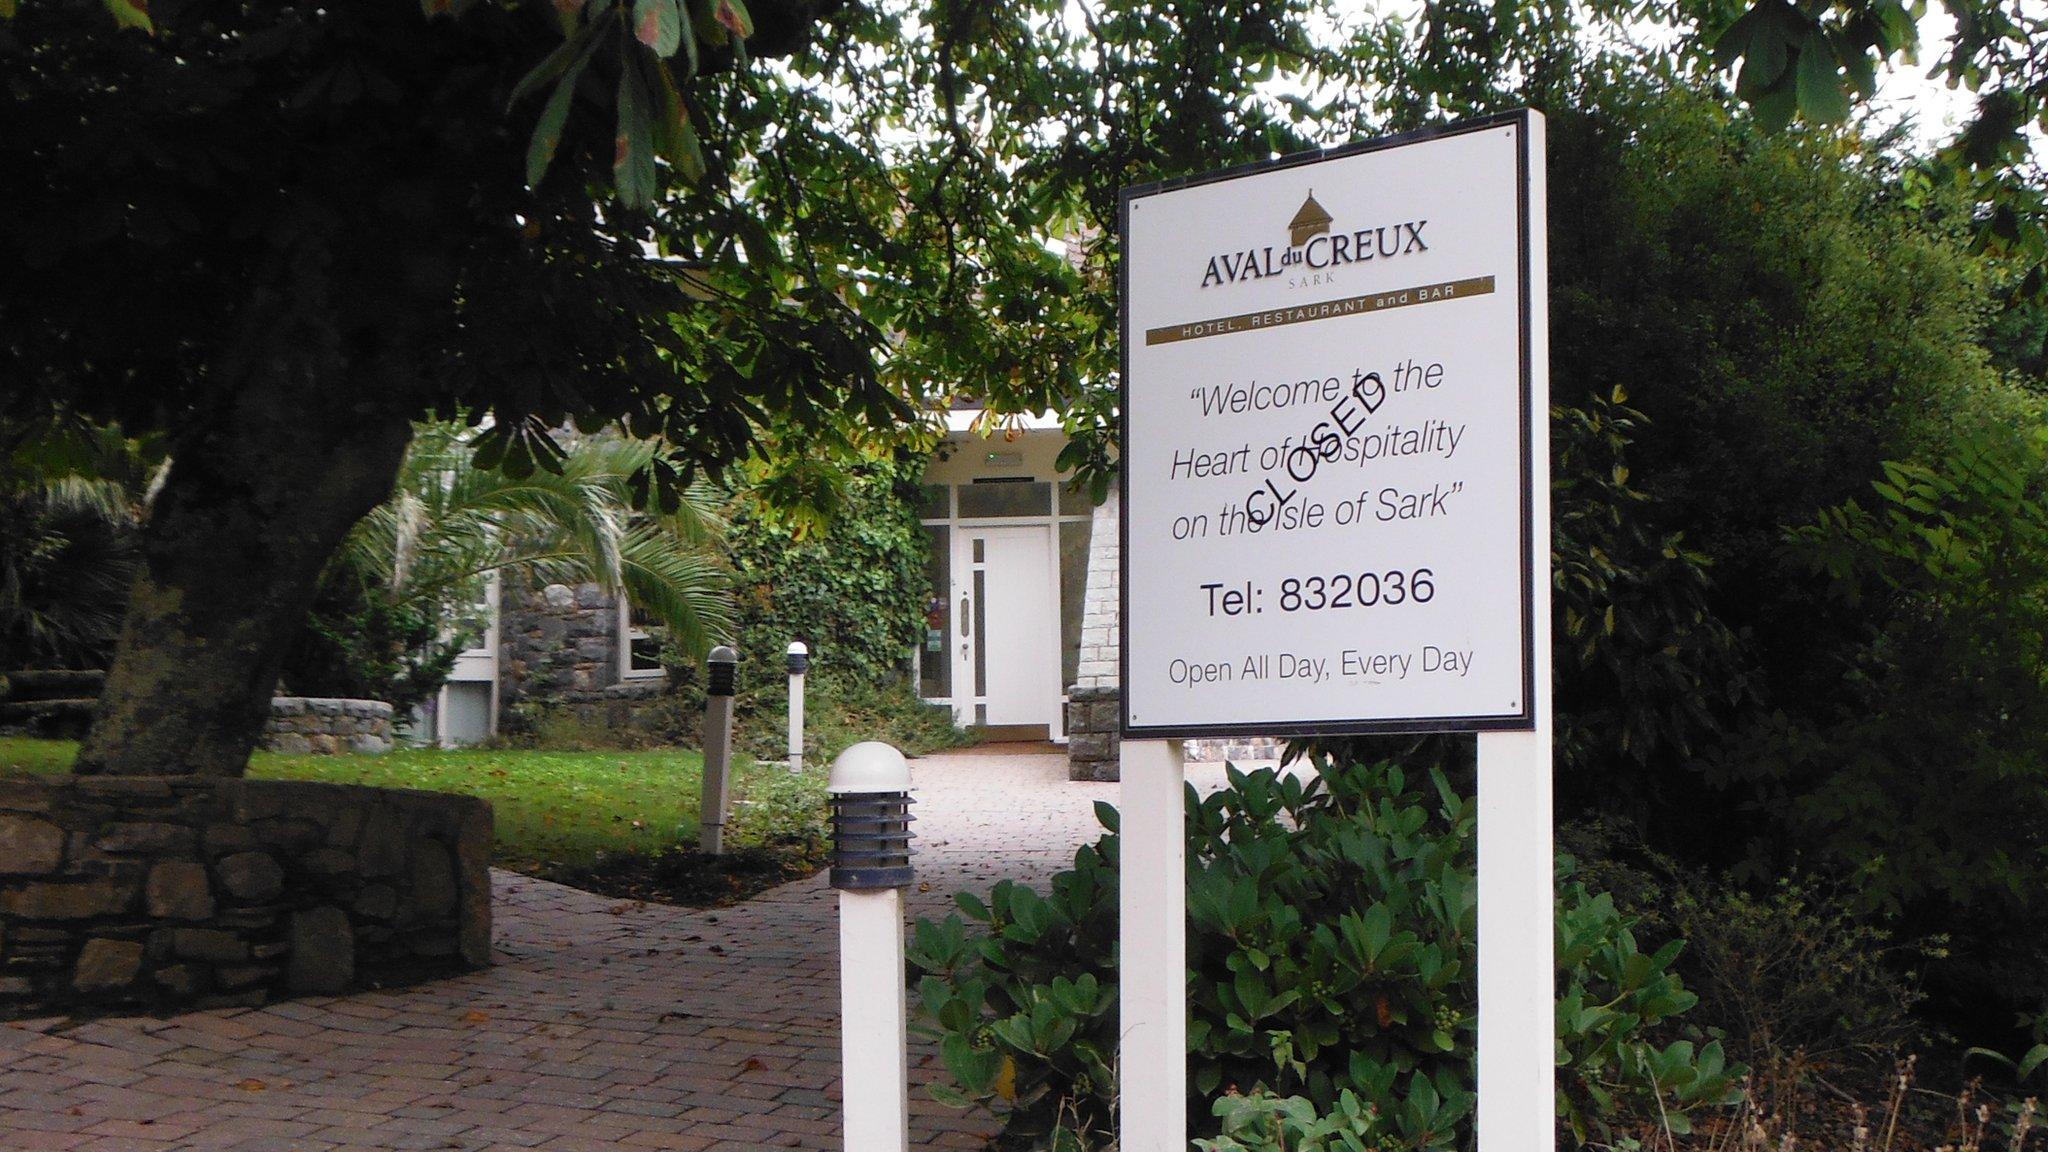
[[1323, 310]]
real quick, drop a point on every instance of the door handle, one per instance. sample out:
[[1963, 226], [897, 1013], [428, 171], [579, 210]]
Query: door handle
[[966, 618]]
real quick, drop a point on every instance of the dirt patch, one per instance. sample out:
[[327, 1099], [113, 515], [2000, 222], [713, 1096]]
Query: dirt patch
[[693, 879]]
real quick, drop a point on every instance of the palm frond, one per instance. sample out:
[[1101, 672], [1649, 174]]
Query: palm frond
[[686, 591], [105, 498], [450, 524]]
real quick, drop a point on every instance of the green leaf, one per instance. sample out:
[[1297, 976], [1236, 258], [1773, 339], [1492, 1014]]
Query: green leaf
[[734, 16], [1862, 73], [551, 67], [547, 134], [659, 25], [633, 147], [1821, 95], [688, 35], [678, 135], [1763, 63], [131, 14], [2035, 1057], [1734, 41], [7, 9], [1774, 109], [1253, 994]]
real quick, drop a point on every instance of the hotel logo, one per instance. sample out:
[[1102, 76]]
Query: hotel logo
[[1313, 245]]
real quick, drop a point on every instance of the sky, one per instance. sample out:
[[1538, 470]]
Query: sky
[[1906, 91]]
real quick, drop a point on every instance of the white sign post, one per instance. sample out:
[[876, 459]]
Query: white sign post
[[1335, 518]]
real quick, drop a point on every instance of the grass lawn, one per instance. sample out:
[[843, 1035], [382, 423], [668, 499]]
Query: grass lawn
[[554, 809]]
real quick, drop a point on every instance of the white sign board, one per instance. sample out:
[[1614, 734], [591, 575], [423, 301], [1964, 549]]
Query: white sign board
[[1326, 463]]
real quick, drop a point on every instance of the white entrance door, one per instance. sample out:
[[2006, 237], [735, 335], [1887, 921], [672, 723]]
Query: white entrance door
[[1006, 588]]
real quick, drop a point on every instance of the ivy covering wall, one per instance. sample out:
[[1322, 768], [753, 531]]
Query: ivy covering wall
[[852, 587]]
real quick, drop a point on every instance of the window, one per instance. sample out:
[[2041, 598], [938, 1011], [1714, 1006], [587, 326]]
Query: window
[[639, 647]]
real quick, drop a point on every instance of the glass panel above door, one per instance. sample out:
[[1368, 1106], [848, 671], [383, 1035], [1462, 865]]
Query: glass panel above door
[[1005, 498]]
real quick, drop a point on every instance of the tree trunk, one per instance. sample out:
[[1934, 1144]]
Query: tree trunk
[[305, 436], [232, 554]]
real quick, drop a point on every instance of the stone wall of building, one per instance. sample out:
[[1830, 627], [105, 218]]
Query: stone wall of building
[[1092, 740], [557, 643], [150, 893], [1093, 699], [326, 726], [559, 648], [635, 712], [1101, 601]]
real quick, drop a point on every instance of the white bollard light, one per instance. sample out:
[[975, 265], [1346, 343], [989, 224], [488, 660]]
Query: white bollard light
[[799, 663], [722, 668], [869, 789]]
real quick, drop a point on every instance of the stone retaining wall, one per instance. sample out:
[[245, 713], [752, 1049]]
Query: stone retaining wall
[[322, 725], [635, 710], [160, 892]]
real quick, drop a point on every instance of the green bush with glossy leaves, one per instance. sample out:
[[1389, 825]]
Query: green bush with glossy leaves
[[1331, 951]]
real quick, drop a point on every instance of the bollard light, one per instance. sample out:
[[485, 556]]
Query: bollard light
[[869, 795], [799, 663], [869, 790], [722, 670]]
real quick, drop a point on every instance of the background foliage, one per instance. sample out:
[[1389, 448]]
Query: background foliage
[[1759, 678]]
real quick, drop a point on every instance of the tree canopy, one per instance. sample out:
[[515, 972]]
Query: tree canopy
[[277, 235]]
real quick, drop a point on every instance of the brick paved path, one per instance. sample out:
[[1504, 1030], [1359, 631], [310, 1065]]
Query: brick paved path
[[604, 1024]]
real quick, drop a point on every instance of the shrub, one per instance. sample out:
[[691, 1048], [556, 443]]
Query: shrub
[[842, 710], [1794, 979], [362, 640], [850, 583], [1262, 1121], [1331, 950], [1923, 771], [774, 808]]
